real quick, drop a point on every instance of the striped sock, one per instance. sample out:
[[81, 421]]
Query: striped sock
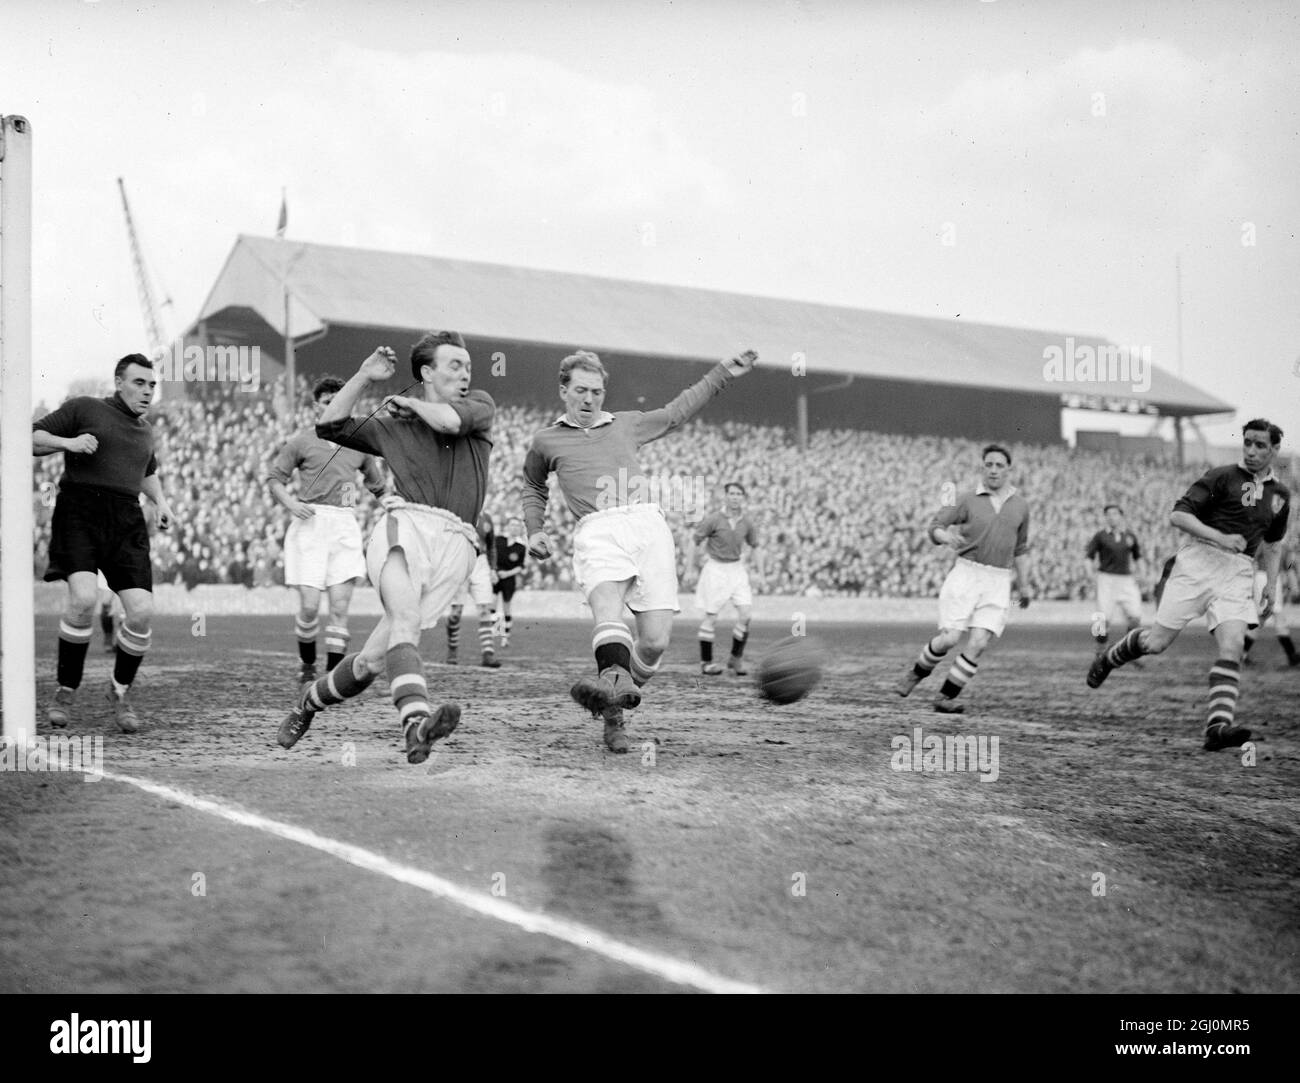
[[642, 670], [453, 632], [706, 645], [611, 642], [485, 635], [1225, 686], [336, 644], [74, 641], [406, 681], [928, 659], [739, 636], [1127, 649], [306, 633], [338, 684], [963, 669], [131, 648]]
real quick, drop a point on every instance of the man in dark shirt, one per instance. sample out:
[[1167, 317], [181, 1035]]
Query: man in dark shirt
[[98, 525], [511, 550], [423, 547], [1229, 513], [1114, 550]]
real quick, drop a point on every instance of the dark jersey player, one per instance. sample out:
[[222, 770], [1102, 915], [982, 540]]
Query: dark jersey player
[[511, 551], [98, 525], [1119, 601], [1230, 514], [423, 547]]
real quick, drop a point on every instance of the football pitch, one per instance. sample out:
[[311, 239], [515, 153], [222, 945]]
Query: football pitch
[[1072, 841]]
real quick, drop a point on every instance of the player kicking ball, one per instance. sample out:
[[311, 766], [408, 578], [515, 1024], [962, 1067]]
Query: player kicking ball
[[623, 551], [1228, 514], [423, 546], [993, 539]]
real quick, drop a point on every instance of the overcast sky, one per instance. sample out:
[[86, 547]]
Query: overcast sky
[[1016, 161]]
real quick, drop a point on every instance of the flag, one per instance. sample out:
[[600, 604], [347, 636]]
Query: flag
[[284, 217]]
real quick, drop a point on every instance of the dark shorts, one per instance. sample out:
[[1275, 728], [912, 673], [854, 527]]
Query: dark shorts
[[505, 587], [96, 530]]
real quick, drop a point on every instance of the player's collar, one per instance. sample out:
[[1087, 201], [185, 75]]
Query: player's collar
[[984, 490], [1270, 476], [602, 418]]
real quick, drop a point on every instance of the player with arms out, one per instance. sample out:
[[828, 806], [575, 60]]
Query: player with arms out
[[992, 560], [99, 525], [1229, 514], [322, 547], [724, 578], [423, 546], [623, 551], [1119, 601]]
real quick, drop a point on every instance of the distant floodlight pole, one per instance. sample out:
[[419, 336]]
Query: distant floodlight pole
[[17, 622]]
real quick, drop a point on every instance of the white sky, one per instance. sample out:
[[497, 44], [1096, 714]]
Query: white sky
[[803, 149]]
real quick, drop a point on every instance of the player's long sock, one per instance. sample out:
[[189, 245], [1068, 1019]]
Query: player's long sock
[[74, 641], [336, 644], [406, 681], [1127, 649], [929, 658], [338, 684], [1289, 647], [132, 644], [306, 633], [1225, 685], [453, 632], [642, 670], [707, 637], [485, 634], [739, 636], [509, 625], [611, 642], [963, 669]]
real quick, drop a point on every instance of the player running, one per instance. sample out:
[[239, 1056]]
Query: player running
[[1119, 601], [1229, 514], [992, 551], [510, 551], [423, 546], [623, 551], [724, 578], [477, 589], [99, 525], [322, 547]]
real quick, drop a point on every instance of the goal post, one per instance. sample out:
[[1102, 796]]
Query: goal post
[[17, 617]]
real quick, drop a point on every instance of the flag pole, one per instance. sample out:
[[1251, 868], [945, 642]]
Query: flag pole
[[290, 366]]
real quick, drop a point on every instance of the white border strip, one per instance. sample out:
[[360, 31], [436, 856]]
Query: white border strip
[[663, 966]]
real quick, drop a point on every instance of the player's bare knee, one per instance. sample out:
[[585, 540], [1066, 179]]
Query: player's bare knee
[[139, 614]]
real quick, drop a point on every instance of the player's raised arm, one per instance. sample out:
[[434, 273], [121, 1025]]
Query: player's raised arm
[[335, 422], [656, 423]]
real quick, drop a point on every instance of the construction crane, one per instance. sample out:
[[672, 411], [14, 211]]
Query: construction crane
[[153, 324]]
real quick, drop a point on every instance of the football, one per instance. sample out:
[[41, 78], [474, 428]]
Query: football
[[790, 670]]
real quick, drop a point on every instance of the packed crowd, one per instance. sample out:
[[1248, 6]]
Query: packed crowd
[[846, 518]]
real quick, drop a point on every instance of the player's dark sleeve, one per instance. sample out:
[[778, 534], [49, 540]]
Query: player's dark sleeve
[[282, 464], [751, 535], [152, 468], [656, 423], [1094, 546], [1137, 549], [364, 434], [537, 469], [65, 422], [1022, 535], [372, 476], [706, 528], [1277, 528], [1201, 495], [477, 412], [949, 515]]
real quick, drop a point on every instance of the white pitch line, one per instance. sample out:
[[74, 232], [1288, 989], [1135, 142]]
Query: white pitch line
[[663, 966]]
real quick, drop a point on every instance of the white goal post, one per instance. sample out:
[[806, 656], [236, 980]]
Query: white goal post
[[17, 619]]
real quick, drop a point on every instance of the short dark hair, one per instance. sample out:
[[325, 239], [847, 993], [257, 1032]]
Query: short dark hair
[[734, 485], [425, 351], [1109, 506], [326, 385], [583, 359], [998, 448], [1262, 425], [131, 359]]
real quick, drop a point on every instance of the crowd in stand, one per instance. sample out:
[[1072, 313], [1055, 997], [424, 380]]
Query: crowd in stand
[[847, 517]]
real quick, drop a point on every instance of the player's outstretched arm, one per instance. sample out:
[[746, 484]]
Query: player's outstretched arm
[[656, 423]]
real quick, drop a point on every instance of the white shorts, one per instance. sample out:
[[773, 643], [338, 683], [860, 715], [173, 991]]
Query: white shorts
[[439, 550], [722, 581], [631, 542], [324, 550], [975, 596], [1119, 594], [1210, 582], [478, 588]]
